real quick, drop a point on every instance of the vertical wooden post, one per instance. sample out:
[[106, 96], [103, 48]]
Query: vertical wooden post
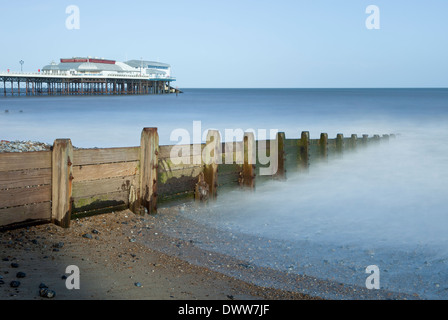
[[149, 163], [323, 144], [304, 150], [61, 202], [211, 157], [353, 141], [250, 160], [339, 143], [365, 139], [280, 141]]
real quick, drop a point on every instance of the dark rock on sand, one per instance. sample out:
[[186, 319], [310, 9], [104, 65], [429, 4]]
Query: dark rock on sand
[[47, 293]]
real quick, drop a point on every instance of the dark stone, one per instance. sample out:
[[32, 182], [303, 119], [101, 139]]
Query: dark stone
[[14, 265], [64, 277], [94, 231], [47, 293], [14, 284], [87, 236], [138, 284], [58, 245], [2, 282], [43, 286], [21, 275]]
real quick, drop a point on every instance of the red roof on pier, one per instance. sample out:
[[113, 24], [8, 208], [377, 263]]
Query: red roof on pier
[[77, 60]]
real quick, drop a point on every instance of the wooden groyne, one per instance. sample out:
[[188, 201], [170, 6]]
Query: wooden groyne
[[59, 185]]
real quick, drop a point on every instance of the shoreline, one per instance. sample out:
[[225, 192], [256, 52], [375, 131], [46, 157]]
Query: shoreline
[[115, 264], [111, 264]]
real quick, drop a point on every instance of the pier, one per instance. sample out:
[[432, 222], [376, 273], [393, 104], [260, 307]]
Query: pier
[[64, 85], [91, 76]]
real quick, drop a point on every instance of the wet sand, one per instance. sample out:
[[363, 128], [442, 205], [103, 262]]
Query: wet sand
[[111, 263], [120, 260]]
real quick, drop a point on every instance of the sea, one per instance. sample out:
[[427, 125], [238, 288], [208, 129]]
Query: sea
[[383, 206]]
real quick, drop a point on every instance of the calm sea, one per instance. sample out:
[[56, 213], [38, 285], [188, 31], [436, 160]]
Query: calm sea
[[384, 206]]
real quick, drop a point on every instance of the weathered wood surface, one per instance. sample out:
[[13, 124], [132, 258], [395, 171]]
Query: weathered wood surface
[[304, 150], [24, 178], [249, 161], [23, 196], [193, 151], [31, 212], [149, 162], [26, 160], [212, 156], [104, 171], [91, 188], [84, 157], [323, 146], [62, 177], [101, 202]]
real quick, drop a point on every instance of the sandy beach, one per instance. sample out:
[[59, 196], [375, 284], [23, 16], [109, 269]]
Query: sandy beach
[[113, 265]]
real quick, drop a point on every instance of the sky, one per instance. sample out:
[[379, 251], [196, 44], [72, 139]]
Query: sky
[[241, 43]]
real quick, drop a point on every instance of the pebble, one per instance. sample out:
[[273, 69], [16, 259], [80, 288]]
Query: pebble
[[138, 284], [14, 284], [87, 236], [23, 146], [21, 275], [14, 265], [47, 293]]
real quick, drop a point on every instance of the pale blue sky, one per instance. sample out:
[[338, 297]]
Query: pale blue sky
[[244, 43]]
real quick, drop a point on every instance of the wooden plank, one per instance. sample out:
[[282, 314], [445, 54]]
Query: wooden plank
[[62, 177], [36, 211], [100, 201], [180, 162], [86, 189], [165, 151], [26, 160], [178, 185], [84, 157], [165, 175], [105, 171], [24, 178], [23, 196]]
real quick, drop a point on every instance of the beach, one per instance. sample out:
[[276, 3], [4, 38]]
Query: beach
[[112, 265]]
